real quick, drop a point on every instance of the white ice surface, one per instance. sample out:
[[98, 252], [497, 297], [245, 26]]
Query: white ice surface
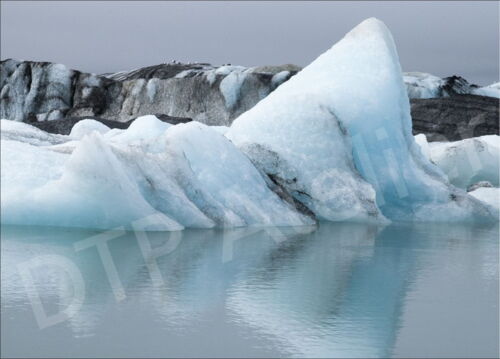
[[230, 85], [489, 195], [422, 85], [143, 130], [23, 132], [468, 161], [351, 100], [229, 176], [173, 177], [492, 90], [86, 127]]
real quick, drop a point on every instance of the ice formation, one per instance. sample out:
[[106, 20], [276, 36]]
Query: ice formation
[[489, 195], [304, 132], [85, 127], [230, 86], [492, 90], [332, 143], [422, 85], [19, 131], [187, 175], [466, 162]]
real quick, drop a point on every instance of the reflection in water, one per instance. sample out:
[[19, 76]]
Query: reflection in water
[[338, 290]]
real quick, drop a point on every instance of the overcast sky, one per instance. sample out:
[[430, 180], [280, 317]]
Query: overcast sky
[[443, 38]]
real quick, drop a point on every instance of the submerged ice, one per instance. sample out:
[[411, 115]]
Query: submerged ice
[[332, 143]]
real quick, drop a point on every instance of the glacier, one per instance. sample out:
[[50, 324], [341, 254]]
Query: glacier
[[344, 102], [334, 143], [421, 85]]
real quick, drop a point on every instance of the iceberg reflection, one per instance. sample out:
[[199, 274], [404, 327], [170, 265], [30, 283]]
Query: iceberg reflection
[[336, 290]]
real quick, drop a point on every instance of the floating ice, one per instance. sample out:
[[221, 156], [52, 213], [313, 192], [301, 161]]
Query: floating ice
[[333, 142], [229, 176], [468, 161], [352, 99], [143, 130], [174, 177], [19, 131], [489, 195], [85, 127]]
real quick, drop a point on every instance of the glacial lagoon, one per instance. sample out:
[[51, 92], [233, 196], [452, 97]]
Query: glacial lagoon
[[333, 290]]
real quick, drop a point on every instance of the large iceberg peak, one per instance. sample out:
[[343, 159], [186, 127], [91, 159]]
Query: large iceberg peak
[[343, 126]]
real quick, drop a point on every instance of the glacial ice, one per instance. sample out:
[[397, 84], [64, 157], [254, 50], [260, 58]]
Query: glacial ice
[[20, 131], [466, 162], [422, 85], [230, 86], [143, 130], [187, 175], [346, 102], [229, 176], [489, 195], [85, 127], [334, 143], [492, 90]]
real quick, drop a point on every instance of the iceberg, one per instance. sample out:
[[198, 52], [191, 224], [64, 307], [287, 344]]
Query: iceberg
[[229, 177], [332, 143], [153, 174], [337, 136], [465, 162]]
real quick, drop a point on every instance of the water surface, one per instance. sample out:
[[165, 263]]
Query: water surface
[[337, 290]]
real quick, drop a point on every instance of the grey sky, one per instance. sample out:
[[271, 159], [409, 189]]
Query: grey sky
[[442, 38]]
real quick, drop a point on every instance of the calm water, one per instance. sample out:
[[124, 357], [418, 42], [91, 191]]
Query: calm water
[[339, 290]]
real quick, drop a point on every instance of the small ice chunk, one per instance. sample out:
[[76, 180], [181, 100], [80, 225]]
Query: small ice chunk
[[468, 161], [489, 195], [86, 127], [421, 140], [142, 130], [279, 78]]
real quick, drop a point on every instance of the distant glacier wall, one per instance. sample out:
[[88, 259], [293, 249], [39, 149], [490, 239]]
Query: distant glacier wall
[[39, 91], [443, 109]]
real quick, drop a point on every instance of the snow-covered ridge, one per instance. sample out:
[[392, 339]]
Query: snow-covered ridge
[[332, 143]]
